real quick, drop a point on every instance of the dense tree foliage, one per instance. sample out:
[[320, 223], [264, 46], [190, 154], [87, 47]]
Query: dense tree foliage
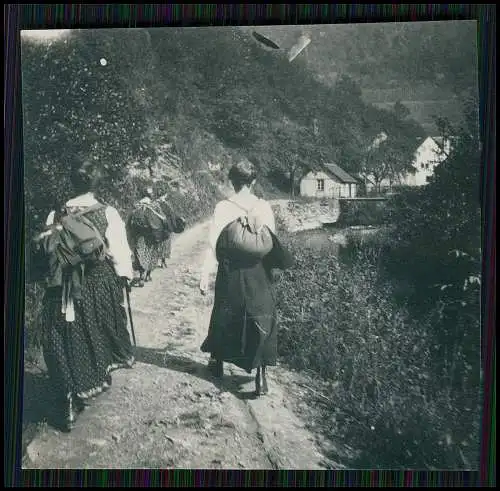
[[118, 95]]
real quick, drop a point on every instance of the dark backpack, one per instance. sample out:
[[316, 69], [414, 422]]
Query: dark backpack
[[72, 242], [245, 236], [79, 239], [158, 226]]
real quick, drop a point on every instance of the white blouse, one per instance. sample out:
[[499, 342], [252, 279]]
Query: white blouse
[[116, 234], [225, 212]]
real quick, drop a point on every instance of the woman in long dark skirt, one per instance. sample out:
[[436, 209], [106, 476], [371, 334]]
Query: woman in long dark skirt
[[243, 327], [85, 338]]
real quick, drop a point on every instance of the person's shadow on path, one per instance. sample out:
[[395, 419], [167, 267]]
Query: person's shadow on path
[[162, 358]]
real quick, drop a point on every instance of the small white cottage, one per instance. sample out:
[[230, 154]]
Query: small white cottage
[[329, 182]]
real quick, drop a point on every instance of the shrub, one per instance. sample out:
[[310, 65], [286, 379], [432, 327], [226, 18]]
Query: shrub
[[361, 213], [395, 327], [394, 394]]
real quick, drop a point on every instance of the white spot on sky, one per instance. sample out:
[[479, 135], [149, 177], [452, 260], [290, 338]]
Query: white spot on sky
[[103, 61]]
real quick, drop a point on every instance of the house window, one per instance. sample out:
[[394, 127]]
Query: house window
[[320, 184]]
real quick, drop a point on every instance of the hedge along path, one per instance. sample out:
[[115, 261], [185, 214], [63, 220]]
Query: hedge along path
[[168, 412]]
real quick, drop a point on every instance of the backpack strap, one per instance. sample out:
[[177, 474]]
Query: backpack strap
[[94, 207], [163, 217], [48, 232], [238, 205]]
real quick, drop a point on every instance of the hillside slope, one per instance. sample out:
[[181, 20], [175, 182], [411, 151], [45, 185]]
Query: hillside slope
[[428, 66], [180, 105]]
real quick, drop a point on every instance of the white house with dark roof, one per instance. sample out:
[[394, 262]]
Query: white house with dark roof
[[429, 153], [330, 181]]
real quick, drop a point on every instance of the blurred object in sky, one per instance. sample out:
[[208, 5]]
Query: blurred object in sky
[[297, 48], [265, 40]]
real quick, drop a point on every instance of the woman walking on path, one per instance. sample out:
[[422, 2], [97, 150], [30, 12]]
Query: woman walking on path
[[146, 249], [85, 321], [243, 328], [150, 227]]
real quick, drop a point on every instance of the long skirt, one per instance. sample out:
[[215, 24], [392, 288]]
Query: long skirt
[[243, 328], [165, 250], [80, 354], [146, 255]]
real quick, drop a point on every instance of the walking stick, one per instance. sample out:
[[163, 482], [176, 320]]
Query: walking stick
[[127, 293]]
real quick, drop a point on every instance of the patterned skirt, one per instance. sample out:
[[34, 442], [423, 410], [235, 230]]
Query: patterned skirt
[[165, 249], [146, 255], [80, 354]]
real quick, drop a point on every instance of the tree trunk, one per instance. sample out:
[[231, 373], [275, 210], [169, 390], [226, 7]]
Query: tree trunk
[[292, 183]]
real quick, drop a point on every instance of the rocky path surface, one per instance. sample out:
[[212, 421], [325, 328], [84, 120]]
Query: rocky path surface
[[168, 412]]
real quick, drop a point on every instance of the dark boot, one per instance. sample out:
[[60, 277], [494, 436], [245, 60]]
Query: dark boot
[[80, 404], [107, 383], [141, 280], [137, 282], [261, 382], [258, 388], [264, 389], [216, 367], [66, 418], [219, 369]]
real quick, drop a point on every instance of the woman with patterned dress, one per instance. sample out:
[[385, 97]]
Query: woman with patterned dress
[[85, 338], [165, 251], [150, 227], [146, 249]]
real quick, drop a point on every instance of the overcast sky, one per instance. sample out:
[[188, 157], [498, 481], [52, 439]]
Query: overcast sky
[[44, 35]]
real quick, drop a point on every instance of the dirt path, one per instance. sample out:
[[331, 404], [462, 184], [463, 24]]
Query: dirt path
[[168, 412]]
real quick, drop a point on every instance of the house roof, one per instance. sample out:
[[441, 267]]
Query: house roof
[[339, 173]]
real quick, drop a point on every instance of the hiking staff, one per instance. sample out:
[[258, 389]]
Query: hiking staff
[[127, 294]]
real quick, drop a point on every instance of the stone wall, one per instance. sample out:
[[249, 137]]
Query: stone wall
[[296, 215]]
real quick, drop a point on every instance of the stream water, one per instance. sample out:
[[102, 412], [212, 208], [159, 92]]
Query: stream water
[[332, 238]]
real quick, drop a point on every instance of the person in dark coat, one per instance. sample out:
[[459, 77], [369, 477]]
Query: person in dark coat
[[243, 324]]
